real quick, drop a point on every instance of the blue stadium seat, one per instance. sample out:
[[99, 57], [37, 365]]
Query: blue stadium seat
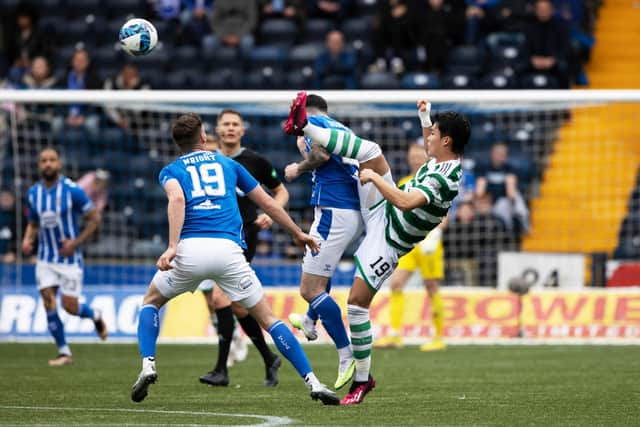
[[51, 25], [264, 78], [159, 58], [282, 32], [317, 29], [503, 39], [125, 8], [222, 57], [183, 55], [466, 59], [539, 81], [186, 78], [108, 34], [152, 76], [379, 81], [498, 80], [267, 56], [107, 56], [357, 29], [76, 9], [304, 54], [224, 78], [456, 80], [300, 78], [421, 81]]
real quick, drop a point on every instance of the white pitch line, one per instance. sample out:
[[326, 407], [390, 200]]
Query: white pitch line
[[269, 421]]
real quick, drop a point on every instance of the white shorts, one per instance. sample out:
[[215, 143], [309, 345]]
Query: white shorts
[[66, 276], [334, 229], [202, 258], [375, 258], [206, 285]]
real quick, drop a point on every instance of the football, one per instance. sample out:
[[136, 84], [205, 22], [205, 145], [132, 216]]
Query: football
[[138, 37]]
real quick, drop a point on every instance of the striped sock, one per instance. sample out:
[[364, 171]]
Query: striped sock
[[342, 143], [361, 339]]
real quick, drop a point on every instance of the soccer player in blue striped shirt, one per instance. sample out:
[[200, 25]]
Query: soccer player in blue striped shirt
[[55, 205]]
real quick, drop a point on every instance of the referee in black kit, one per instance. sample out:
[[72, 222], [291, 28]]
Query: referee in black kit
[[230, 130]]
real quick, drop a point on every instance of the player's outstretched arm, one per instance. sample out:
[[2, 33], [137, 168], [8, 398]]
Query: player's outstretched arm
[[400, 199], [279, 215], [175, 214], [424, 112]]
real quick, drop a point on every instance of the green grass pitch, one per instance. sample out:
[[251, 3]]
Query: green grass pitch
[[462, 386]]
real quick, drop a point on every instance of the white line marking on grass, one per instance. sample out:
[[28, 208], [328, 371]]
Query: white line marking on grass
[[269, 421]]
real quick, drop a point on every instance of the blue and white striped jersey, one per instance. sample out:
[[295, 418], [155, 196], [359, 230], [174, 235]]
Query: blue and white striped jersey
[[335, 183], [56, 211], [209, 181]]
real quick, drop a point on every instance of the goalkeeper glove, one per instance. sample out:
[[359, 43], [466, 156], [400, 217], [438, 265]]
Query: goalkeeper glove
[[430, 243]]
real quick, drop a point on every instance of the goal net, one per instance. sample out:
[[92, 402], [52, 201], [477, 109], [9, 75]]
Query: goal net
[[573, 157]]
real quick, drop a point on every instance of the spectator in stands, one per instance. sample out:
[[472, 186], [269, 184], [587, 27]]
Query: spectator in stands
[[27, 41], [335, 68], [335, 10], [233, 23], [393, 34], [39, 75], [290, 9], [96, 185], [513, 15], [169, 10], [499, 180], [80, 77], [547, 41], [195, 20], [480, 19], [7, 227], [459, 245], [127, 79], [434, 27]]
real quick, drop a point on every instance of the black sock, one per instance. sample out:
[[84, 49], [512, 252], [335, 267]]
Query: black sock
[[225, 335], [254, 332]]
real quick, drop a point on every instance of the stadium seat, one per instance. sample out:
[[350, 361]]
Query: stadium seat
[[466, 59], [76, 9], [186, 78], [267, 56], [124, 8], [504, 39], [224, 78], [107, 56], [459, 81], [357, 29], [539, 81], [152, 76], [300, 78], [420, 81], [281, 32], [317, 29], [160, 58], [185, 55], [109, 246], [264, 78], [498, 80], [379, 81], [304, 54]]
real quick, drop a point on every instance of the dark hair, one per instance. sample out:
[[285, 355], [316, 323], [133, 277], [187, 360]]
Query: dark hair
[[456, 126], [50, 148], [228, 111], [316, 101], [186, 130]]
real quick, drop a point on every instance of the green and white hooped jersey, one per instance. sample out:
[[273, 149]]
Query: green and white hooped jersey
[[439, 182]]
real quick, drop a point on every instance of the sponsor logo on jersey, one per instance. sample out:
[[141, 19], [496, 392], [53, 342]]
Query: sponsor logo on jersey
[[206, 205]]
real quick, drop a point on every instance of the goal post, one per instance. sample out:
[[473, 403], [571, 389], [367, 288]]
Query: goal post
[[575, 155]]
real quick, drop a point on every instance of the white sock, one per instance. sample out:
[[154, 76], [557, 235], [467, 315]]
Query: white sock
[[311, 380], [64, 350], [346, 356], [309, 323], [148, 362], [342, 143]]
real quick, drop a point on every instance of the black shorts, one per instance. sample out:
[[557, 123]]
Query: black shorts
[[251, 231]]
